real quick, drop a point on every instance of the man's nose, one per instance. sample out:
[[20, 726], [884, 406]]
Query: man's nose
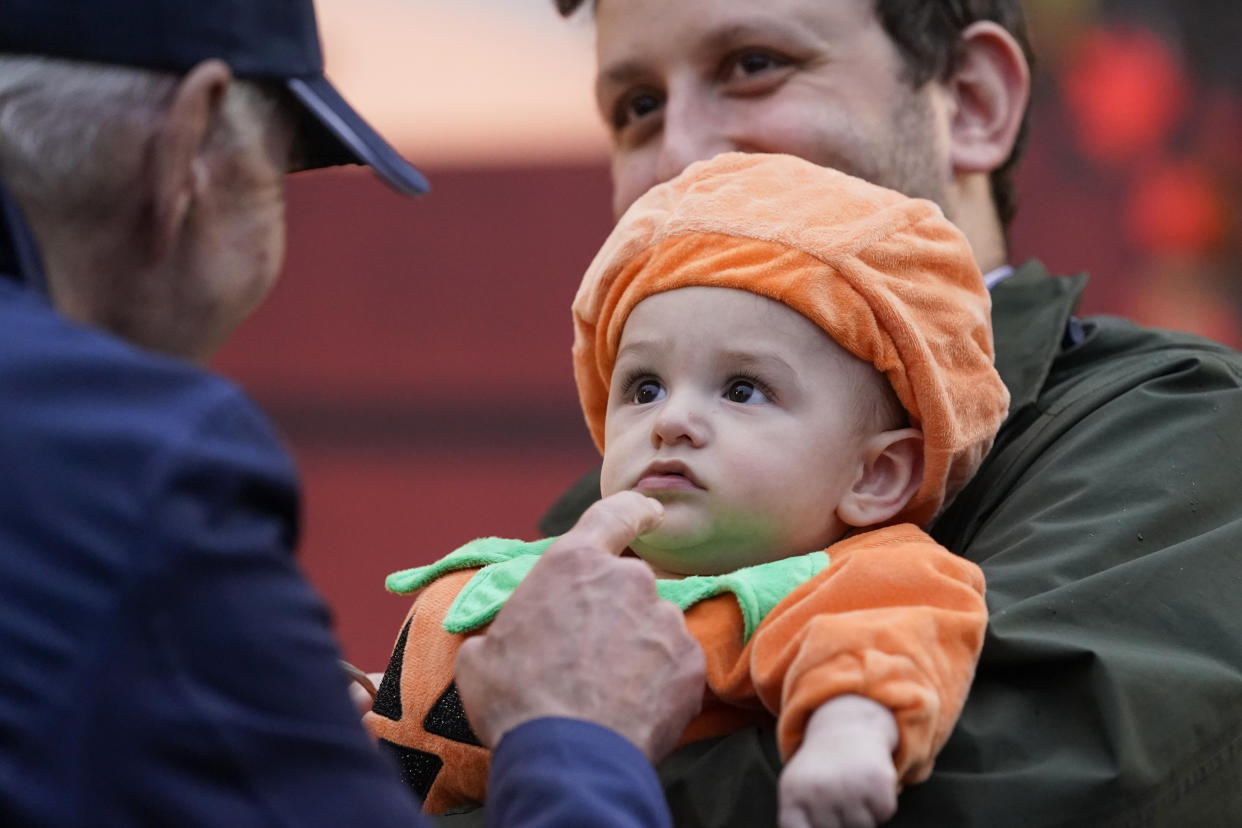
[[680, 420], [691, 132]]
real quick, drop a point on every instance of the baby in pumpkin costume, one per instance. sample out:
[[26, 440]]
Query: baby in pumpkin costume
[[798, 365]]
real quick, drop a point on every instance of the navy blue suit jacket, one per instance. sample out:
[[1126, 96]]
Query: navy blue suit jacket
[[162, 661]]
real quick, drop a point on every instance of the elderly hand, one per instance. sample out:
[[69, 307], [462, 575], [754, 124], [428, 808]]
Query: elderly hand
[[585, 636], [842, 775]]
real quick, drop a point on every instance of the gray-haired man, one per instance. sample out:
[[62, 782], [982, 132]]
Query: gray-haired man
[[165, 663]]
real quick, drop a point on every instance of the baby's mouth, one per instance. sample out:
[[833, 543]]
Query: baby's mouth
[[667, 475]]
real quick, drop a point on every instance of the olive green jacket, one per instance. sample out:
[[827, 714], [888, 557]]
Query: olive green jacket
[[1108, 522]]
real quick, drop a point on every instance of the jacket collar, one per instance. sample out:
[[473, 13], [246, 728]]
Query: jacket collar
[[1031, 311], [19, 256]]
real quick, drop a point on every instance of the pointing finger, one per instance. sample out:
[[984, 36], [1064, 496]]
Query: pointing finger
[[612, 523]]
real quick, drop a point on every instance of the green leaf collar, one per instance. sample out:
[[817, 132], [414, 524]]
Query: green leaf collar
[[505, 563]]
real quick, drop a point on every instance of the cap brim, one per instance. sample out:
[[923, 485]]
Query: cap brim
[[360, 144]]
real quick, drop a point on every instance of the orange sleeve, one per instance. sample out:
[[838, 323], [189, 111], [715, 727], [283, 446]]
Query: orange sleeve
[[895, 617]]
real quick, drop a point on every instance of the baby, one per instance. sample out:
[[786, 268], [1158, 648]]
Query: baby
[[798, 366]]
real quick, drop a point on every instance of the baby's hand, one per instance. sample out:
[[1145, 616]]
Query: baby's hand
[[842, 776]]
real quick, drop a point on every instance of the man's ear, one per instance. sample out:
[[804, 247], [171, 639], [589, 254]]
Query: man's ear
[[990, 84], [890, 472], [178, 173]]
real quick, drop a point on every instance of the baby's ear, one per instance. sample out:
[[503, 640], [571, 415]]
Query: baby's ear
[[890, 472]]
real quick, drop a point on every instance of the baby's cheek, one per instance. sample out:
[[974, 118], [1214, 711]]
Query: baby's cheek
[[610, 475], [762, 492]]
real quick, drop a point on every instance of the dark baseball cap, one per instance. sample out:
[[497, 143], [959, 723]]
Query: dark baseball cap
[[275, 41]]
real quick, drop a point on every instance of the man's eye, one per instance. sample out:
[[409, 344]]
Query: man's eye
[[743, 65], [635, 106], [745, 391], [752, 63], [647, 391]]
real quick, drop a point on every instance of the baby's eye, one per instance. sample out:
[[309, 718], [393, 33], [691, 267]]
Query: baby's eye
[[647, 391], [745, 391]]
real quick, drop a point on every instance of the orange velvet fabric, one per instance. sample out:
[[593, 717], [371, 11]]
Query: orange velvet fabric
[[893, 617]]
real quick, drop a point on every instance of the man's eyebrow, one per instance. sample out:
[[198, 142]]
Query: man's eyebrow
[[623, 73], [746, 30], [620, 72], [723, 37]]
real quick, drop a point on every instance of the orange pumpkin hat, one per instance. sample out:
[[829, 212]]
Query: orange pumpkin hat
[[887, 277]]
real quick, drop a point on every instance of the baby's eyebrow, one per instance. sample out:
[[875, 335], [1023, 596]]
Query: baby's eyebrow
[[757, 359], [642, 347]]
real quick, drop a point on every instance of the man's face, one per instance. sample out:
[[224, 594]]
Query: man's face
[[683, 81], [741, 417]]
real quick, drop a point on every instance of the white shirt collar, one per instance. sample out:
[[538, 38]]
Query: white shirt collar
[[997, 275]]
